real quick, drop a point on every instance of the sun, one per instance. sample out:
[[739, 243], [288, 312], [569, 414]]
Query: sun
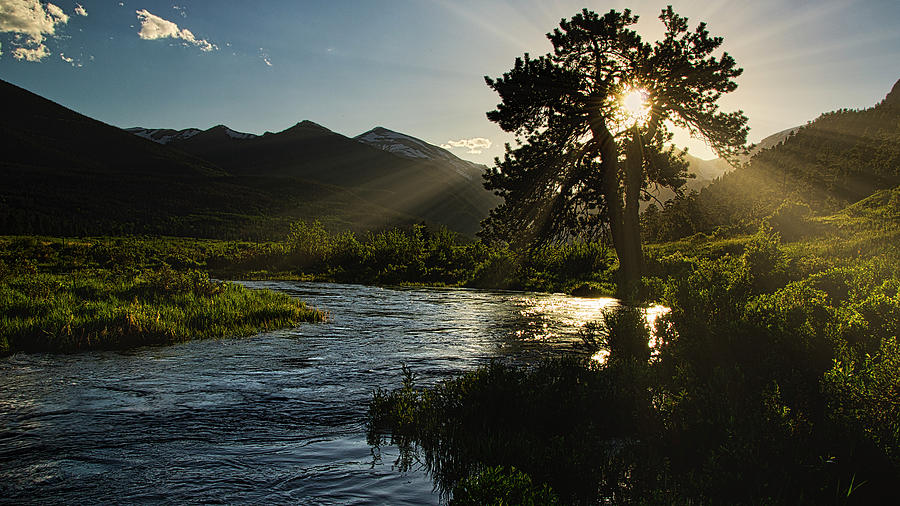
[[635, 104]]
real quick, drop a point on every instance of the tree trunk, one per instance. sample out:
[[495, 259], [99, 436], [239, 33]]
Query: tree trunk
[[633, 269], [625, 231]]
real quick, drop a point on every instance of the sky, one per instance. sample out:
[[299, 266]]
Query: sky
[[414, 66]]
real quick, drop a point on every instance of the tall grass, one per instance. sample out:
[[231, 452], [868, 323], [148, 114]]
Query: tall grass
[[101, 309]]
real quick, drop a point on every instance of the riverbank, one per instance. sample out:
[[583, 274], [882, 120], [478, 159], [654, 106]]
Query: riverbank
[[104, 309], [773, 381], [275, 418], [414, 256]]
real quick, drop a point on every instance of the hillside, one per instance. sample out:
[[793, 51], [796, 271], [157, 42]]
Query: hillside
[[838, 159], [707, 171], [68, 174], [429, 183]]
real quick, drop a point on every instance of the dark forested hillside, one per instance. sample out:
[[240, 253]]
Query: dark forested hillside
[[840, 158], [428, 188], [67, 174]]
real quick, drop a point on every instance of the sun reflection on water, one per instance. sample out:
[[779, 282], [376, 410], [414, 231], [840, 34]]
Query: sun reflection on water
[[651, 314], [556, 319], [546, 316]]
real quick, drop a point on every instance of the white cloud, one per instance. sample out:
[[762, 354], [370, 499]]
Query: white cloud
[[34, 54], [30, 21], [65, 58], [80, 10], [154, 27], [475, 145], [57, 13]]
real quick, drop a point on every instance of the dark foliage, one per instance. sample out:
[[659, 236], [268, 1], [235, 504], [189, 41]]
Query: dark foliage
[[774, 380]]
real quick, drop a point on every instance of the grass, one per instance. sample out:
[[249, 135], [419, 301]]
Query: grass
[[101, 309]]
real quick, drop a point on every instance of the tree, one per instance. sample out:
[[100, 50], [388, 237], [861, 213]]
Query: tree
[[592, 120]]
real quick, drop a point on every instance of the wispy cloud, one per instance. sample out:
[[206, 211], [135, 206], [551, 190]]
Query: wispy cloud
[[31, 21], [154, 27], [80, 10], [265, 57], [475, 145]]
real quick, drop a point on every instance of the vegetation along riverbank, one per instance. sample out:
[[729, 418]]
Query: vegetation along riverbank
[[773, 379], [56, 298]]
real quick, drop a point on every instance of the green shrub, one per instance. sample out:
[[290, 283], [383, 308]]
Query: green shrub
[[791, 220], [501, 486]]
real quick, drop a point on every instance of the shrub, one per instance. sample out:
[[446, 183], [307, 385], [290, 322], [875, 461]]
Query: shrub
[[501, 486]]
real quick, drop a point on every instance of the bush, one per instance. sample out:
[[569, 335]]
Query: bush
[[791, 220], [501, 486]]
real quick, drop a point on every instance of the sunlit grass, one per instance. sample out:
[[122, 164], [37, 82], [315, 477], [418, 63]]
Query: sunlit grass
[[41, 312]]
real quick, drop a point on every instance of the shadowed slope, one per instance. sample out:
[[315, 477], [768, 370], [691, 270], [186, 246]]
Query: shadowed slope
[[67, 174], [444, 190]]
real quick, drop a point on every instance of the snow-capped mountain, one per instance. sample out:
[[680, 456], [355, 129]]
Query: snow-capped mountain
[[167, 135], [409, 147]]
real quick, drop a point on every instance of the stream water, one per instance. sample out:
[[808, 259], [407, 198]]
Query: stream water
[[277, 417]]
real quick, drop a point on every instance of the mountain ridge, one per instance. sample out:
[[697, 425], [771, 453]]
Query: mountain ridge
[[394, 169], [68, 174]]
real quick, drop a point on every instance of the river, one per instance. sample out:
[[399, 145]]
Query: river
[[277, 417]]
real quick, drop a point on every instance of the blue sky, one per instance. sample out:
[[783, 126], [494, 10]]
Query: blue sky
[[414, 66]]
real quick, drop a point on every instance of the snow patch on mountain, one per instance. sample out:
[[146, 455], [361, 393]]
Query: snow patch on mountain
[[238, 135], [164, 135], [167, 135], [395, 142], [410, 147]]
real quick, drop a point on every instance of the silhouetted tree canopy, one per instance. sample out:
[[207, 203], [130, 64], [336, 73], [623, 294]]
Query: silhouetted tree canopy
[[582, 162]]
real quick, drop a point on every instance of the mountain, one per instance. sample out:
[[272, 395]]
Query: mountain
[[707, 171], [412, 148], [167, 135], [892, 100], [36, 132], [704, 172], [418, 179], [771, 141], [67, 174]]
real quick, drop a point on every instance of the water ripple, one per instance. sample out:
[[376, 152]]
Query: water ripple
[[274, 418]]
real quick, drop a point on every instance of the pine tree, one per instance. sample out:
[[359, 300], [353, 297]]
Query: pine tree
[[592, 121]]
